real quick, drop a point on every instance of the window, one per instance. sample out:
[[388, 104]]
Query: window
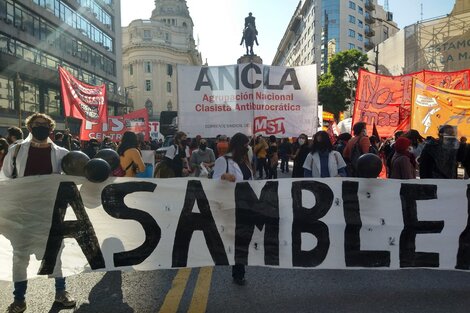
[[131, 70], [352, 19], [147, 35], [352, 46], [385, 32], [352, 5], [168, 87], [360, 23], [352, 33], [148, 85], [148, 67], [169, 70], [360, 37], [359, 48], [360, 10]]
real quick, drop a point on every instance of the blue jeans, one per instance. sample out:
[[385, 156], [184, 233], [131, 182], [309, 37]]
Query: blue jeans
[[21, 286]]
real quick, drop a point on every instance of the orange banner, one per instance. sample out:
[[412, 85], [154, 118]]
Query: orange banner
[[434, 106], [386, 100]]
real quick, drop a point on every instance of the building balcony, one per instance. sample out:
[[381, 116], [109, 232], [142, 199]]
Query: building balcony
[[369, 5], [369, 33], [369, 45], [369, 19]]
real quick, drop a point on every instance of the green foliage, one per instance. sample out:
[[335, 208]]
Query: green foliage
[[333, 89], [347, 64], [332, 93]]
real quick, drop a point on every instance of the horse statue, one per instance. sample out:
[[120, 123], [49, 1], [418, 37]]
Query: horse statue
[[249, 37]]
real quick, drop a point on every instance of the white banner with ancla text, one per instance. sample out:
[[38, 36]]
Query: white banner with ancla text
[[71, 225], [248, 98]]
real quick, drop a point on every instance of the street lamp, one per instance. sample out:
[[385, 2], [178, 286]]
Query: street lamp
[[126, 95], [18, 85]]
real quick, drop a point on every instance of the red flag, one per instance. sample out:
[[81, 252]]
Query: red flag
[[83, 101], [331, 133], [136, 121]]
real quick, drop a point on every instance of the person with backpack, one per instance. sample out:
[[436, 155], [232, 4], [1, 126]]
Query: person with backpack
[[129, 154], [36, 155], [177, 156], [235, 167], [357, 146]]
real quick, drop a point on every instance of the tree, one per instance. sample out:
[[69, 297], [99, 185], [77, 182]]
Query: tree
[[340, 82], [332, 93], [347, 64]]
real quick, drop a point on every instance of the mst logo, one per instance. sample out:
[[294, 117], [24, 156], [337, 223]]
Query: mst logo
[[270, 127]]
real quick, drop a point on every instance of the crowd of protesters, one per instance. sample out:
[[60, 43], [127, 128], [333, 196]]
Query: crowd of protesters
[[406, 156]]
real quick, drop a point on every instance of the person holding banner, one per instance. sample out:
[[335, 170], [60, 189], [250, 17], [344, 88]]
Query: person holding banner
[[439, 158], [235, 167], [300, 151], [177, 155], [323, 161], [36, 155], [130, 156], [403, 161], [202, 157]]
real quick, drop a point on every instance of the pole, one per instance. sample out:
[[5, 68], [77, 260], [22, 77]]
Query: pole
[[18, 85]]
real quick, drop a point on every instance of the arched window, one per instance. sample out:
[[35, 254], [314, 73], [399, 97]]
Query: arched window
[[149, 107]]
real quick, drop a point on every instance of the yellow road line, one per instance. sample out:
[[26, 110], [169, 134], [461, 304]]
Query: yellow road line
[[173, 297], [201, 291]]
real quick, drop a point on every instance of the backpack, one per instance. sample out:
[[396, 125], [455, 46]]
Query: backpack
[[119, 171], [352, 163]]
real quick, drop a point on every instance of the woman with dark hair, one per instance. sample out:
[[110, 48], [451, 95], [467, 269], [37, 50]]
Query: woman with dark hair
[[300, 151], [177, 155], [323, 161], [235, 167], [130, 156], [273, 158], [3, 150]]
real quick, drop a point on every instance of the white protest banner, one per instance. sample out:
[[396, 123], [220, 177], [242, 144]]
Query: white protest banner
[[247, 98], [147, 224]]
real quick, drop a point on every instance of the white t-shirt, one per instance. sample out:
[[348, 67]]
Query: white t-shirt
[[173, 150]]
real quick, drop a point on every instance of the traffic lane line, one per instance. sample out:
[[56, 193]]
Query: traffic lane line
[[201, 291], [173, 297]]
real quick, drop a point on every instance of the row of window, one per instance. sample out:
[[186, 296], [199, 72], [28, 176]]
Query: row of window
[[352, 34], [148, 68], [148, 86], [77, 21], [352, 20], [352, 6], [28, 96], [36, 56], [353, 46], [98, 12], [56, 38]]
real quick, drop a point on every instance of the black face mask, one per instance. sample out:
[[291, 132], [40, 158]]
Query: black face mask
[[9, 140], [202, 147], [40, 132]]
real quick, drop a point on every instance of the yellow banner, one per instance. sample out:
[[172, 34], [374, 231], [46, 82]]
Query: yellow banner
[[432, 107]]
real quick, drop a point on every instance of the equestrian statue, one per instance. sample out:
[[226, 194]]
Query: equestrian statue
[[250, 34]]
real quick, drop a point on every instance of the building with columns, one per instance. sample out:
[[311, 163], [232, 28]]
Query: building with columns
[[152, 49]]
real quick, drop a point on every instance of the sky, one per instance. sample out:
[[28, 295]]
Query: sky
[[218, 24]]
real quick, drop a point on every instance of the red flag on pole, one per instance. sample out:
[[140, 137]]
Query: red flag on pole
[[81, 100]]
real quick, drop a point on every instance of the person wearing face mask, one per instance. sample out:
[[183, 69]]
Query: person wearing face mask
[[300, 150], [203, 155], [36, 155], [177, 155], [235, 167], [15, 135], [403, 161], [439, 158], [323, 161]]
